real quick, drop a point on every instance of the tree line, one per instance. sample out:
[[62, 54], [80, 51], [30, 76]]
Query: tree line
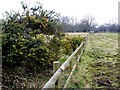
[[86, 24]]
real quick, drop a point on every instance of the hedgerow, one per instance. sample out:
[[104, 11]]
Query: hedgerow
[[31, 41], [24, 41], [70, 43]]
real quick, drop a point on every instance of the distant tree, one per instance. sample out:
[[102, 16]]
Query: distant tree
[[101, 28], [113, 25], [71, 24], [65, 20], [67, 24], [113, 28], [87, 23], [107, 27]]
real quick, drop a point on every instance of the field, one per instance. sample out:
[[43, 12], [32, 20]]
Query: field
[[77, 33], [99, 64]]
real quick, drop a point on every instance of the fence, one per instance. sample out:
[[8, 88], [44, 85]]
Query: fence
[[53, 81]]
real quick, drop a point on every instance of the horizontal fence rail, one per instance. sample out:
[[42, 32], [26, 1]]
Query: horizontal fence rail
[[68, 80], [52, 81]]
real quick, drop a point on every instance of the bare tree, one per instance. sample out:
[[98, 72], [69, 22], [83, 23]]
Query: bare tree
[[71, 24], [65, 20], [113, 21], [68, 23], [87, 23]]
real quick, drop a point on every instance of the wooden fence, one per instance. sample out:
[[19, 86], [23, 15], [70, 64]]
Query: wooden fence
[[53, 81]]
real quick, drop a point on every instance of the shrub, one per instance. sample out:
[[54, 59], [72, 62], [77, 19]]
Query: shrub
[[24, 42], [70, 43]]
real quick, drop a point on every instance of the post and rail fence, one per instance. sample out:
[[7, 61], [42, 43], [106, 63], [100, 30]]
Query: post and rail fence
[[53, 81]]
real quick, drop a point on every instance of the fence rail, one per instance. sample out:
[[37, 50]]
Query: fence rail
[[53, 81]]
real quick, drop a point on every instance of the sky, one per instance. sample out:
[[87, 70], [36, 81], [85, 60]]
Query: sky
[[104, 11]]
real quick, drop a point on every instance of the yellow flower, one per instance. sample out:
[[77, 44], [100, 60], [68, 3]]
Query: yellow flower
[[32, 17], [23, 39], [44, 26], [41, 34], [28, 54], [18, 33], [45, 19], [42, 59], [33, 37], [30, 32], [51, 59], [36, 20], [14, 46], [20, 53], [62, 40], [21, 45]]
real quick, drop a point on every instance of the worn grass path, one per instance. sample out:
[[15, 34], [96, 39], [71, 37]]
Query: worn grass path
[[99, 64]]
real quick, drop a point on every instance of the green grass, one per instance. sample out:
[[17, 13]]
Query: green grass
[[113, 36], [98, 67]]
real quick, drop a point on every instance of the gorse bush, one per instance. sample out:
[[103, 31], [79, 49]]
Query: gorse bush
[[70, 43], [24, 41], [34, 20], [30, 52]]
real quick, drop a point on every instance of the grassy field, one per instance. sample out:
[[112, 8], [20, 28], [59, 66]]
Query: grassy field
[[99, 64], [84, 34]]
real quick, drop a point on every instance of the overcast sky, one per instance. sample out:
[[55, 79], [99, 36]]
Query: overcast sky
[[104, 11]]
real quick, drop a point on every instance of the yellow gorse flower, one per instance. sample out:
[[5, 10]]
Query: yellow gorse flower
[[30, 32], [45, 19], [36, 20], [20, 53], [29, 54], [41, 34], [21, 45], [23, 39], [18, 33], [32, 17], [33, 37]]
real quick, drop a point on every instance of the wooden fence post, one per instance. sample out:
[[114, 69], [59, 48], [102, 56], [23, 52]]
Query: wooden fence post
[[55, 68], [76, 60], [84, 46], [71, 65]]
